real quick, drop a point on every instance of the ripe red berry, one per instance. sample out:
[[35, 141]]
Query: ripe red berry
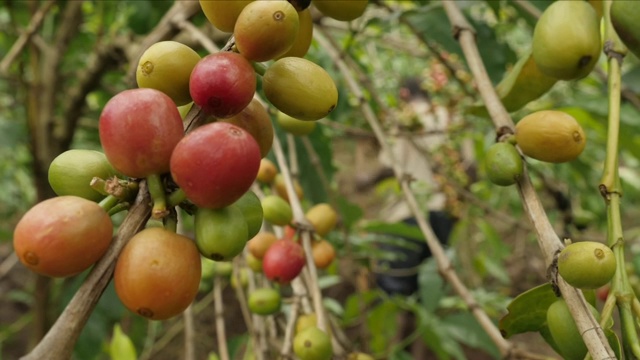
[[283, 261], [222, 84], [215, 164]]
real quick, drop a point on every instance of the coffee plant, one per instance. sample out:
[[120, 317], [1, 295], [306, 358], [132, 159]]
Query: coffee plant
[[205, 168]]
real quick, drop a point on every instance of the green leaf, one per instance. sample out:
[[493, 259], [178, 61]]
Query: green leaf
[[431, 285], [382, 325], [121, 346], [396, 229], [350, 212], [528, 311], [614, 342], [465, 328], [632, 79], [438, 338], [355, 304]]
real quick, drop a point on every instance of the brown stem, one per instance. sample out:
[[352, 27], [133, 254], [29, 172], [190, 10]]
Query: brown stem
[[189, 334], [291, 325], [528, 7], [23, 40], [547, 238], [7, 264], [59, 342], [218, 305], [105, 56], [199, 36], [244, 307], [464, 32]]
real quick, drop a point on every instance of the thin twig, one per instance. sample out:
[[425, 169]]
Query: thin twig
[[218, 305], [201, 37], [289, 329], [242, 300], [23, 40], [8, 264], [528, 7], [189, 334]]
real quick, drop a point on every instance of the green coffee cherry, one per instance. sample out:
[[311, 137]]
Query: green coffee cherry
[[503, 164]]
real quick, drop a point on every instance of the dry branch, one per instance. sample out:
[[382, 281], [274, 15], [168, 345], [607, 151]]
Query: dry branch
[[23, 40]]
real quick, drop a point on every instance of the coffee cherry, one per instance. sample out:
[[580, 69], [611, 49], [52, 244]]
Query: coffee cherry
[[138, 130], [323, 253], [312, 344], [283, 261], [300, 88], [564, 331], [551, 136], [587, 264], [260, 243], [295, 126], [167, 66], [257, 122], [62, 236], [265, 301], [503, 164], [158, 273], [266, 29], [223, 13], [267, 171], [215, 164], [251, 208], [567, 49], [303, 39], [221, 234], [71, 172], [343, 10], [222, 84], [276, 210], [322, 217]]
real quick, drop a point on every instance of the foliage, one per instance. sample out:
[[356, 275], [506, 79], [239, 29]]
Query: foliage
[[491, 246]]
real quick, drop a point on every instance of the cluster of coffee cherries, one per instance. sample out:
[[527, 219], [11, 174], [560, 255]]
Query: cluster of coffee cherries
[[207, 171]]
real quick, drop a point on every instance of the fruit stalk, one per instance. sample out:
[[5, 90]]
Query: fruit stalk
[[219, 316], [159, 198], [109, 202], [259, 68], [121, 206]]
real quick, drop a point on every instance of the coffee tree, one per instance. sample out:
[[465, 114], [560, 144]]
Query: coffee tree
[[205, 138]]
